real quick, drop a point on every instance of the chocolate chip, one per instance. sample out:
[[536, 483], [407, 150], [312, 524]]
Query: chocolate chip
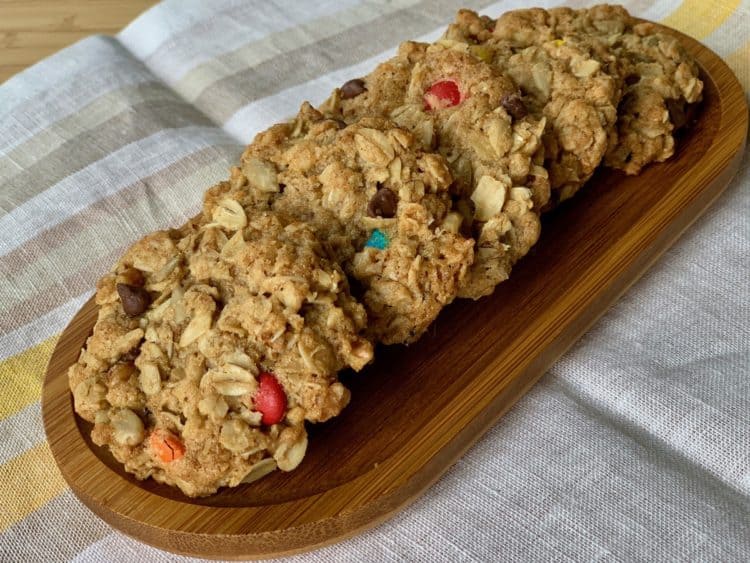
[[134, 299], [681, 113], [677, 113], [513, 104], [632, 79], [130, 356], [691, 114], [340, 123], [383, 204], [356, 288], [352, 88]]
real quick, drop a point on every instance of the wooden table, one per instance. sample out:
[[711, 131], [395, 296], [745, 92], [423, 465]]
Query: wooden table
[[33, 29]]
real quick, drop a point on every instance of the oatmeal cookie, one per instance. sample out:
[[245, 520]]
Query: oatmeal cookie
[[378, 202], [213, 345], [566, 80], [659, 80], [456, 103]]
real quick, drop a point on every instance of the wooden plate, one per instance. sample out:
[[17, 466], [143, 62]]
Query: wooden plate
[[417, 409]]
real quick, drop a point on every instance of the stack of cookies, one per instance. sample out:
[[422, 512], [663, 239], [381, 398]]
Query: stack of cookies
[[355, 224]]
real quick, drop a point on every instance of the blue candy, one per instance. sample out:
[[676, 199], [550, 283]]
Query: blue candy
[[378, 239]]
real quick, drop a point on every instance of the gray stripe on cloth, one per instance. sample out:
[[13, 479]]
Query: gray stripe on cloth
[[41, 328], [104, 177], [55, 532], [241, 50], [223, 29], [166, 205], [223, 98], [86, 118], [54, 88], [21, 431], [64, 261], [130, 125]]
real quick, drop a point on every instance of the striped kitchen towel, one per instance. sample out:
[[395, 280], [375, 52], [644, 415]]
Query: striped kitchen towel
[[636, 445]]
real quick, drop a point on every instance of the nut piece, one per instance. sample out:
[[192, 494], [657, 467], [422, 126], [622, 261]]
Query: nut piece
[[498, 132], [149, 378], [292, 448], [541, 74], [452, 222], [520, 194], [213, 407], [235, 435], [230, 380], [488, 198], [584, 68], [229, 214], [260, 470], [127, 427], [197, 326], [261, 175], [88, 397]]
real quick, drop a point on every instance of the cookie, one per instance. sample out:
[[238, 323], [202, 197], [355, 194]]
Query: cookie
[[457, 104], [661, 82], [213, 345], [568, 81], [379, 204]]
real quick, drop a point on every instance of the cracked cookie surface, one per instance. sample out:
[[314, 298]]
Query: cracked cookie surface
[[377, 201], [214, 344], [461, 107], [660, 82], [564, 80]]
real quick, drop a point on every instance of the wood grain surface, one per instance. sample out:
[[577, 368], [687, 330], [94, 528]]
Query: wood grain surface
[[33, 29], [416, 410]]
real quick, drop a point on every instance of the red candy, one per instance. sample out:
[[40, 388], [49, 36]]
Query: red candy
[[443, 94], [270, 399]]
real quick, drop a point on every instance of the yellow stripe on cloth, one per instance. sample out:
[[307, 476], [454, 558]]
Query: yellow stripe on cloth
[[739, 62], [21, 377], [699, 18], [29, 481]]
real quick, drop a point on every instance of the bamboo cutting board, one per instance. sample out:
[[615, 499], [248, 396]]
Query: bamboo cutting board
[[418, 408]]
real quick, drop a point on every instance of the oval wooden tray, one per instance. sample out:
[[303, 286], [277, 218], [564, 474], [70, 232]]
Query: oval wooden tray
[[417, 409]]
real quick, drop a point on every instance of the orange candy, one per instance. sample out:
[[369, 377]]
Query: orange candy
[[167, 446]]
